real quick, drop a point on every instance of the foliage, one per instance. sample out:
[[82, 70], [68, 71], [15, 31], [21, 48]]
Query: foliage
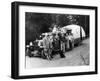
[[37, 23]]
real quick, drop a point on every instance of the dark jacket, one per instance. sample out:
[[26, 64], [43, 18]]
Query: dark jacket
[[56, 44]]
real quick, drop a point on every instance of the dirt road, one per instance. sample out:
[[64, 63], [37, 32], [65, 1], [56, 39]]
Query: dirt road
[[76, 57]]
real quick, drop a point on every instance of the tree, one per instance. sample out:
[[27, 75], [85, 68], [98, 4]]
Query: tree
[[37, 23]]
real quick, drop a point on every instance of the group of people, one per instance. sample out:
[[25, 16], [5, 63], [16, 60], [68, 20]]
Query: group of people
[[53, 43]]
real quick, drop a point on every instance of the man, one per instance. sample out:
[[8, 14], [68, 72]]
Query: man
[[57, 46], [55, 29], [63, 40], [47, 46]]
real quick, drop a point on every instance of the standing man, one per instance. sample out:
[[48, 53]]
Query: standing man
[[57, 46], [63, 40], [46, 45]]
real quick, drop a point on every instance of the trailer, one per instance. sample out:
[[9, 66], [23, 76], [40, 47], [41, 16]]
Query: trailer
[[77, 31]]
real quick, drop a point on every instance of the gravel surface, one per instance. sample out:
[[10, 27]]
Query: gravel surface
[[77, 57]]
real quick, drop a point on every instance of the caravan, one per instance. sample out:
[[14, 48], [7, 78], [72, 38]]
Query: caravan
[[77, 31]]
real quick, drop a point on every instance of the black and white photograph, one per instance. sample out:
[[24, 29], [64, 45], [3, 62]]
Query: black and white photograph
[[51, 40], [56, 40]]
